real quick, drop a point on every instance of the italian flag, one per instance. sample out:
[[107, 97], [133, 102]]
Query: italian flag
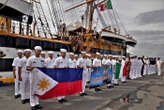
[[107, 5]]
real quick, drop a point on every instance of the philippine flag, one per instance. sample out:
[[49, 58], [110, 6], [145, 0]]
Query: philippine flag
[[49, 83]]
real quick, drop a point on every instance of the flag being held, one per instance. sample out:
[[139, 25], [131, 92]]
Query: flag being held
[[50, 83]]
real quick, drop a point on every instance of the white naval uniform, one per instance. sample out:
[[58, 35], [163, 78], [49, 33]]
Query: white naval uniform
[[61, 62], [121, 70], [49, 62], [25, 83], [97, 62], [132, 69], [89, 63], [159, 67], [146, 67], [72, 63], [17, 82], [34, 61], [139, 67], [83, 63]]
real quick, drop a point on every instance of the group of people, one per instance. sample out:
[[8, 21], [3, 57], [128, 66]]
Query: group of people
[[122, 68]]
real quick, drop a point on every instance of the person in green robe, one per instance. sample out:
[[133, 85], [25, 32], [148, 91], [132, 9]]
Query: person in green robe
[[117, 71]]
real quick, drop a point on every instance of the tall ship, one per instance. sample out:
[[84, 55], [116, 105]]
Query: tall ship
[[94, 26]]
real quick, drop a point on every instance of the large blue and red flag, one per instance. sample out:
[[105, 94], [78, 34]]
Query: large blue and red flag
[[49, 83]]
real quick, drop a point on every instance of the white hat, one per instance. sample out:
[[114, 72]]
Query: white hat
[[97, 53], [76, 55], [63, 50], [83, 52], [43, 52], [27, 50], [88, 54], [71, 53], [20, 51], [38, 48], [105, 55], [50, 52]]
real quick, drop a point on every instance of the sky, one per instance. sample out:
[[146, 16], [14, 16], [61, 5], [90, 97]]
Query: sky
[[144, 20]]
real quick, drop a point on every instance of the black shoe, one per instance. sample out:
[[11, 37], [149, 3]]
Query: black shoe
[[85, 93], [116, 84], [17, 96], [64, 100], [124, 82], [23, 101], [33, 108], [97, 89], [109, 87], [60, 101], [38, 107], [27, 100], [82, 94]]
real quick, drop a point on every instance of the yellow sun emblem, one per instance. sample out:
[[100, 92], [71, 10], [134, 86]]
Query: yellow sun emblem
[[43, 84]]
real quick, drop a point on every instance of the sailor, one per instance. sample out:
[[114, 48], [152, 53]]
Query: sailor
[[76, 59], [50, 60], [104, 60], [123, 70], [146, 66], [43, 55], [89, 65], [81, 63], [117, 71], [24, 77], [128, 65], [139, 67], [97, 64], [61, 62], [72, 62], [33, 62], [110, 64], [15, 73], [122, 67], [135, 67], [158, 66]]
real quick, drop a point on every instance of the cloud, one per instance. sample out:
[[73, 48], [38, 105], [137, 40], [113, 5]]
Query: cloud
[[151, 17]]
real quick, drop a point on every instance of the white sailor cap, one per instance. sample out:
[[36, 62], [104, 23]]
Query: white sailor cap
[[50, 52], [27, 50], [71, 53], [105, 55], [43, 52], [76, 55], [38, 48], [63, 50], [88, 54], [97, 53], [83, 52], [20, 51]]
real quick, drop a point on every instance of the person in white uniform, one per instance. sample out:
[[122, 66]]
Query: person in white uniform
[[33, 62], [72, 62], [15, 73], [146, 66], [43, 55], [96, 64], [61, 62], [158, 66], [50, 60], [109, 63], [24, 77], [89, 65], [82, 63]]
